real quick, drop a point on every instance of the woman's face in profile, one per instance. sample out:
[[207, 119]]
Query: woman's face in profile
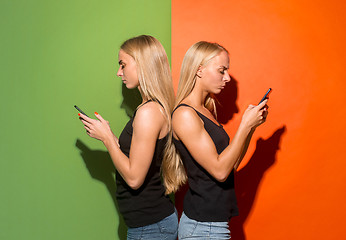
[[127, 70], [214, 75]]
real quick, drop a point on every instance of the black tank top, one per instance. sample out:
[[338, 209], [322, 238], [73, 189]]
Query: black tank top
[[208, 200], [148, 204]]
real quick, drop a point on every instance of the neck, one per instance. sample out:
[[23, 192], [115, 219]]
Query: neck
[[197, 97], [144, 99]]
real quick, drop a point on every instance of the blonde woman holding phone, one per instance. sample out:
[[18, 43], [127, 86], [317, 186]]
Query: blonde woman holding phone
[[204, 147], [138, 153]]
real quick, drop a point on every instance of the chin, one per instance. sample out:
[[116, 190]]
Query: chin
[[129, 86], [217, 91]]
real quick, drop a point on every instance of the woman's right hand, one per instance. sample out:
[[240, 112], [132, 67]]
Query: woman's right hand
[[255, 115], [98, 128]]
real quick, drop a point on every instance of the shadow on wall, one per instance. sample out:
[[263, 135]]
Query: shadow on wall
[[131, 99], [101, 168], [99, 163], [249, 177], [226, 104], [226, 107]]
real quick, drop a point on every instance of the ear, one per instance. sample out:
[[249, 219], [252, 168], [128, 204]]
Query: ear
[[199, 71]]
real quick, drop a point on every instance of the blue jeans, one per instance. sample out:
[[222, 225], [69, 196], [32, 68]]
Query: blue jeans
[[192, 229], [166, 229]]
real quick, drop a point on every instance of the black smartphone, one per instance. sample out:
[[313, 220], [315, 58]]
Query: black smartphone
[[80, 110], [266, 95]]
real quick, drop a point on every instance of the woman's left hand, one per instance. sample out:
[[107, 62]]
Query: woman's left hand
[[98, 129]]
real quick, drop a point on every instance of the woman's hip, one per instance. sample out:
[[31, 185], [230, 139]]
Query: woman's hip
[[192, 229], [166, 229]]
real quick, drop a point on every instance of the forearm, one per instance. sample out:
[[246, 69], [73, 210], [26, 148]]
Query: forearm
[[252, 118], [246, 146], [119, 159], [229, 158]]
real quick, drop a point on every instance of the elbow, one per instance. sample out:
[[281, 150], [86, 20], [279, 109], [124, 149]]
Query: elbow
[[221, 176], [135, 183]]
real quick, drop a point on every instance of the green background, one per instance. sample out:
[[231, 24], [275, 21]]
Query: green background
[[56, 182]]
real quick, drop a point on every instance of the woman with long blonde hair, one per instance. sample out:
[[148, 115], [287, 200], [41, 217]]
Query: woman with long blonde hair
[[138, 153], [203, 144]]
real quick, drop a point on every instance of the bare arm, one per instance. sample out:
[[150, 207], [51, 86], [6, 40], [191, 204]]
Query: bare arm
[[246, 146], [248, 139], [189, 128], [147, 126]]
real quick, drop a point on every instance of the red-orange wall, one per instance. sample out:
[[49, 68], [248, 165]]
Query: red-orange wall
[[298, 49]]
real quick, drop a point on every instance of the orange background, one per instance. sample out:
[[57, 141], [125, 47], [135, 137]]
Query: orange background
[[293, 185]]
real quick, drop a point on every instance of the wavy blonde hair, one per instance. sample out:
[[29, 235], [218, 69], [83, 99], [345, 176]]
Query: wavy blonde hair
[[198, 55]]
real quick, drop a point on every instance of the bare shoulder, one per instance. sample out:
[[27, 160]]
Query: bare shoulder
[[186, 118], [151, 113], [151, 109]]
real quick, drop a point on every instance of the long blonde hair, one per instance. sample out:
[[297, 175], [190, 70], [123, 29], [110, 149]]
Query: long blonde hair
[[153, 71], [198, 55], [155, 80]]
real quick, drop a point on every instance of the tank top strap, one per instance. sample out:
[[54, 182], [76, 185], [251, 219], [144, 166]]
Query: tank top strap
[[201, 115], [134, 114], [183, 104]]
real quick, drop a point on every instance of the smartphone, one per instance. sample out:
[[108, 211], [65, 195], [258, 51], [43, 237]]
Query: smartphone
[[266, 95], [80, 110]]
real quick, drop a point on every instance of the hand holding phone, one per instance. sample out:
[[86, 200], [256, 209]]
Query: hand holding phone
[[266, 96], [80, 110]]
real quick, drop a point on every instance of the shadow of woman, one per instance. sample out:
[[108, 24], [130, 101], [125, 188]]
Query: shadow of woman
[[99, 163], [249, 177], [131, 99], [226, 102], [101, 168], [226, 107]]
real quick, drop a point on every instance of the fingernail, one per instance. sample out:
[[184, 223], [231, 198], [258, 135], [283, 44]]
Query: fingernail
[[78, 114], [96, 113]]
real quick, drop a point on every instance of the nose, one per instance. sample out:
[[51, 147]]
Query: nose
[[226, 77], [120, 72]]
